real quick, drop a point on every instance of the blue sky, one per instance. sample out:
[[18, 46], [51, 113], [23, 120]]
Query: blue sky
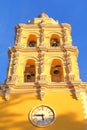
[[73, 12]]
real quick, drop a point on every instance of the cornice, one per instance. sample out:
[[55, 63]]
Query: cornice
[[75, 88], [31, 26], [48, 87], [78, 84], [70, 48], [44, 25], [47, 49]]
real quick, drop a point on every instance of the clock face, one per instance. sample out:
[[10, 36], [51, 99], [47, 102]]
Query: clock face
[[42, 116]]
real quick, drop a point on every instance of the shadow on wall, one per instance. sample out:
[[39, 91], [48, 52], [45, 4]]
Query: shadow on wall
[[69, 122], [66, 122], [17, 119]]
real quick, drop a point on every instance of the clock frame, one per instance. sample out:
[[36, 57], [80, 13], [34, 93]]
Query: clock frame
[[42, 116]]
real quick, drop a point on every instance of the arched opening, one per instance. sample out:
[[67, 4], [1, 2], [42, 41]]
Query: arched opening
[[54, 41], [56, 71], [32, 41], [30, 71]]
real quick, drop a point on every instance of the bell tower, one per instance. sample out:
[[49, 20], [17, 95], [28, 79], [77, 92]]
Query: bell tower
[[43, 52], [43, 89]]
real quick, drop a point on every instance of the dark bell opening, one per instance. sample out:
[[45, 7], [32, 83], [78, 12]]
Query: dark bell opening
[[28, 76], [56, 71], [32, 44], [54, 42]]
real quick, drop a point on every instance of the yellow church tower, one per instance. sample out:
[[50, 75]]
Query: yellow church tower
[[43, 89]]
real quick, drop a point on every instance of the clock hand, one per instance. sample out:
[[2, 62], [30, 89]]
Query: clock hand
[[38, 115], [42, 115]]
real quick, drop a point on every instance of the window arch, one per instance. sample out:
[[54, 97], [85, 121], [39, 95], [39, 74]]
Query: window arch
[[32, 41], [56, 71], [54, 40], [30, 71]]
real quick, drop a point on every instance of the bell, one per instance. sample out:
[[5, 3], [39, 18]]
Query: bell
[[54, 42], [32, 44], [56, 71], [29, 76]]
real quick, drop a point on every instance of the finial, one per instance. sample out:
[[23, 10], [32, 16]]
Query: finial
[[43, 15]]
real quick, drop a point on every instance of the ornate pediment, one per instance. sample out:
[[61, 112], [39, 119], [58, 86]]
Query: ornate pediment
[[43, 18]]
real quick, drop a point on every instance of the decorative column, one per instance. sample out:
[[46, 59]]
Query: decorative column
[[68, 63], [18, 36], [37, 72], [68, 37], [41, 65], [41, 33], [14, 67], [66, 30], [10, 65]]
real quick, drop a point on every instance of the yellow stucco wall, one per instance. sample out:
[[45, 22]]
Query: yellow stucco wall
[[14, 113]]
